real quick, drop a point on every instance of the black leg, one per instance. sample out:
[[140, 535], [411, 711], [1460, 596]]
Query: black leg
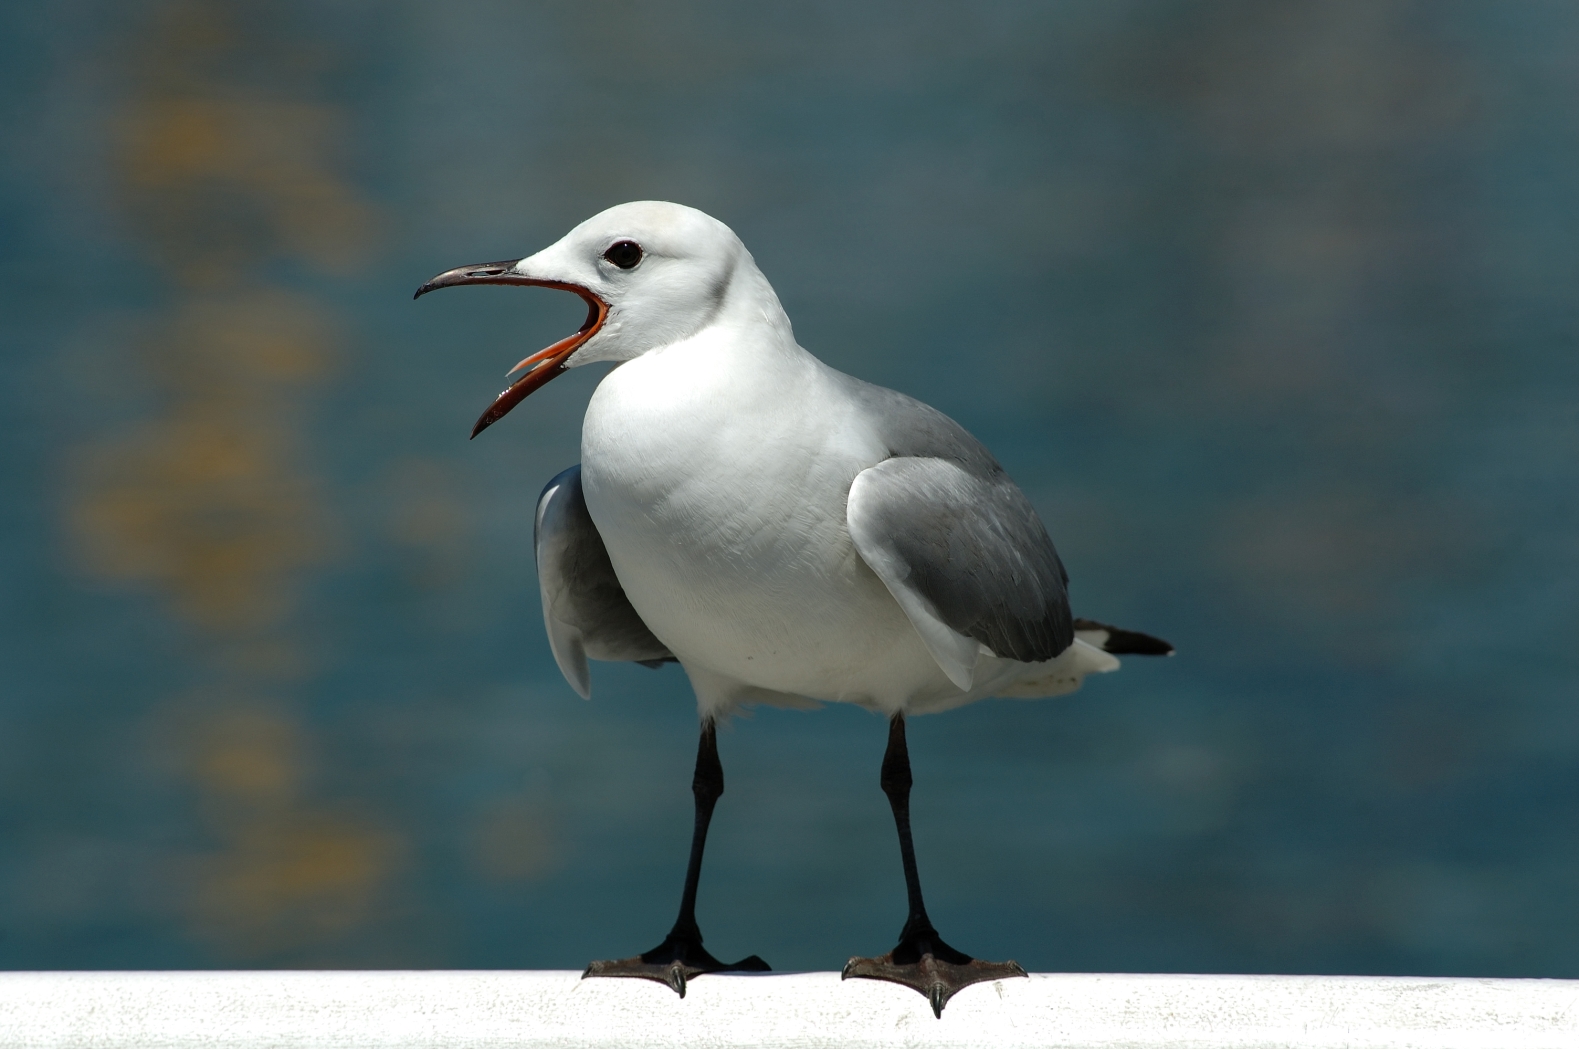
[[681, 955], [921, 960]]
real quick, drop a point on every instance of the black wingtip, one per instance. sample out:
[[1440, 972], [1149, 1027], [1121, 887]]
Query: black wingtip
[[1120, 642]]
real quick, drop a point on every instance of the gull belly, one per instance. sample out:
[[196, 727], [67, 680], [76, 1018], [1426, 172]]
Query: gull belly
[[716, 471]]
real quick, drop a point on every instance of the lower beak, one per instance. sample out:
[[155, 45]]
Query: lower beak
[[546, 363]]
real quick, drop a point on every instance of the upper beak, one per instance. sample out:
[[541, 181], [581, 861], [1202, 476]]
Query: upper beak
[[548, 362]]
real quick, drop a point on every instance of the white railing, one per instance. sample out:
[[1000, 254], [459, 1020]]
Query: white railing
[[558, 1009]]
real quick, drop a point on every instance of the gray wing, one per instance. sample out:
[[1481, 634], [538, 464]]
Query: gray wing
[[961, 549], [584, 606]]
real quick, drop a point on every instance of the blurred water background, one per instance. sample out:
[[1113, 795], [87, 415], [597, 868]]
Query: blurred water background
[[1269, 306]]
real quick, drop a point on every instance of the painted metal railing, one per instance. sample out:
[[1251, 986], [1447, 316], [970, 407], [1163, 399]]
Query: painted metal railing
[[559, 1009]]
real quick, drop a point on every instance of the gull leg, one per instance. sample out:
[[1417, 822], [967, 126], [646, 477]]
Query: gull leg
[[921, 960], [681, 955]]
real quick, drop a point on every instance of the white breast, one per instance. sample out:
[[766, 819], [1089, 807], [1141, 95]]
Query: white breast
[[716, 472]]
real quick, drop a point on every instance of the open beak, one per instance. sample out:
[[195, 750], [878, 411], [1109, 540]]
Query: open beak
[[546, 363]]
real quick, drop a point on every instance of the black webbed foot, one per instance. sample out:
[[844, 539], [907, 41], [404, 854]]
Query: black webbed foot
[[674, 962], [923, 961], [681, 956]]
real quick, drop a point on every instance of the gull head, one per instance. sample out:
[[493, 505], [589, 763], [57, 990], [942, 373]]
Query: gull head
[[650, 272]]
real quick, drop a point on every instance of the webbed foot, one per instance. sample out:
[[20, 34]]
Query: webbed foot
[[923, 961], [674, 962]]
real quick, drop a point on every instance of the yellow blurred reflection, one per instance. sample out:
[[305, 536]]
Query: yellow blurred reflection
[[272, 152], [223, 175], [207, 500]]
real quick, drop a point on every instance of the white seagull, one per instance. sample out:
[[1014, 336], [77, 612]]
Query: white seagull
[[787, 533]]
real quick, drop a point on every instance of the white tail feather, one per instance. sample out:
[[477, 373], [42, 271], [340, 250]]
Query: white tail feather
[[1062, 674]]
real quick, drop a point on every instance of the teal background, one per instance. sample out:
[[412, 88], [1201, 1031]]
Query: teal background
[[1268, 306]]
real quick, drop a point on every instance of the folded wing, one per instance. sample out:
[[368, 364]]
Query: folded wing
[[584, 606], [963, 553]]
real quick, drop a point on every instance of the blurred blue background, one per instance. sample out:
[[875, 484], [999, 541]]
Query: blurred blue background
[[1269, 306]]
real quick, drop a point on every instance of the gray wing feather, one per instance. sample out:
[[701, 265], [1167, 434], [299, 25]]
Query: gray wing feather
[[914, 428], [971, 548], [584, 606], [956, 542]]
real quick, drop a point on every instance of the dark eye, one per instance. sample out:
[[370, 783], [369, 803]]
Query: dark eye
[[624, 254]]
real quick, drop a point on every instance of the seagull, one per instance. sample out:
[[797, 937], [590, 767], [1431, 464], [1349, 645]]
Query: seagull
[[787, 533]]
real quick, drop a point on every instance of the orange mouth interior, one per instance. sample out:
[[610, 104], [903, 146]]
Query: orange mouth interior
[[547, 363]]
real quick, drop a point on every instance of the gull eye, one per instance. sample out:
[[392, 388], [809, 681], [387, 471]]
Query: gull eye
[[624, 254]]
